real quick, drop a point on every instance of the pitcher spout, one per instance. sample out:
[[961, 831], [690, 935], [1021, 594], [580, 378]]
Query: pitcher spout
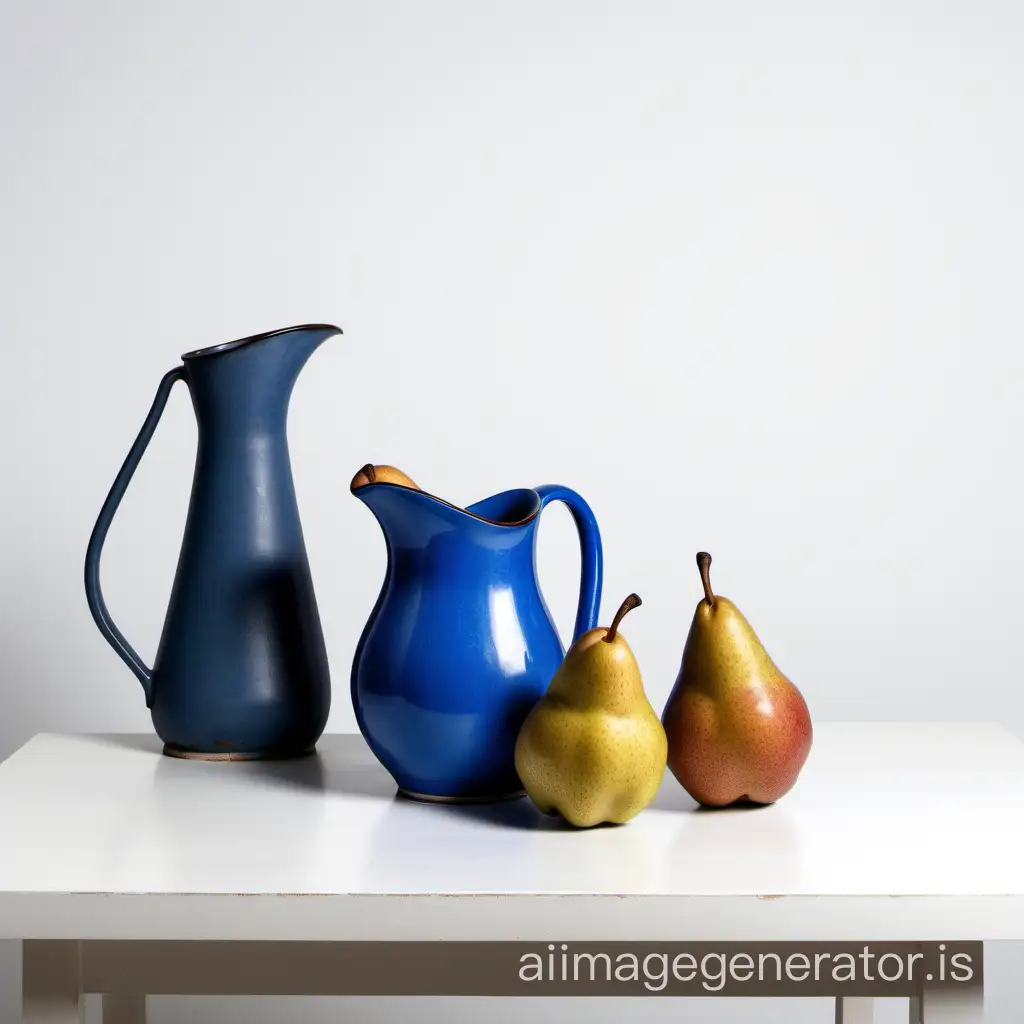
[[297, 344], [400, 505], [303, 340], [250, 381]]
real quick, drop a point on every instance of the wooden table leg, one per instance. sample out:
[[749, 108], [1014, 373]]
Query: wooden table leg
[[51, 982], [124, 1008], [855, 1010], [952, 1006]]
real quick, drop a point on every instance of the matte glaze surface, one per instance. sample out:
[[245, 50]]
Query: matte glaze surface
[[461, 645], [241, 668]]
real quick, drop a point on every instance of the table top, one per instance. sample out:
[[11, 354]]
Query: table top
[[891, 827]]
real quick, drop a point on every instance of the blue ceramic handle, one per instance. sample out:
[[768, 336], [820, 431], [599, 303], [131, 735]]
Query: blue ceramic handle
[[93, 593], [592, 558]]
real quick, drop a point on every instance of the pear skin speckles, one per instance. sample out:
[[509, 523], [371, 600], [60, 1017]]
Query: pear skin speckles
[[594, 768], [738, 729], [592, 747]]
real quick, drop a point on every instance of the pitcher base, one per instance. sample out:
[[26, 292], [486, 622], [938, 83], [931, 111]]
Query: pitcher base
[[487, 798], [197, 755]]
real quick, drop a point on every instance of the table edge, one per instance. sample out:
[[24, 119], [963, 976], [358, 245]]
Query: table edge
[[525, 917]]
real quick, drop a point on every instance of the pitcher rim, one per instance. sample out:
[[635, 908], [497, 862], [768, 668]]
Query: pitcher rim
[[455, 508], [229, 346]]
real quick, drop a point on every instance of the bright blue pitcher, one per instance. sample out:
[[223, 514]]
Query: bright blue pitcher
[[460, 644]]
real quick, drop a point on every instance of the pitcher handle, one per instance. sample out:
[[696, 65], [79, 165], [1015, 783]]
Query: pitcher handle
[[93, 593], [592, 557]]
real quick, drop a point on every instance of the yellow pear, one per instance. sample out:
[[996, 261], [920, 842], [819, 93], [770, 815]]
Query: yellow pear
[[371, 474], [593, 749]]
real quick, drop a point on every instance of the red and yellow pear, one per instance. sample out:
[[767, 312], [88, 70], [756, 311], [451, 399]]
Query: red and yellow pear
[[738, 730]]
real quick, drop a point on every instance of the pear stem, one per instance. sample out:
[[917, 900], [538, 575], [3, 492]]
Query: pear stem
[[704, 564], [631, 602], [371, 473]]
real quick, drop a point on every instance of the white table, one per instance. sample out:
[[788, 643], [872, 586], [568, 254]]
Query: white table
[[111, 848]]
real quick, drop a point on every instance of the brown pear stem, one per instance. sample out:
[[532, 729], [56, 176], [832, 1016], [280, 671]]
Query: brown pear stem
[[704, 564], [631, 602], [371, 473]]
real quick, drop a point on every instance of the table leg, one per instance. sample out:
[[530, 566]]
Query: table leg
[[952, 1006], [915, 1010], [855, 1009], [51, 983], [124, 1008]]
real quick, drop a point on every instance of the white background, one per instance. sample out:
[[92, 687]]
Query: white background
[[745, 275]]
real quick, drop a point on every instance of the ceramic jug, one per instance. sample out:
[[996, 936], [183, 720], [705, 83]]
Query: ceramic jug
[[241, 668], [460, 644]]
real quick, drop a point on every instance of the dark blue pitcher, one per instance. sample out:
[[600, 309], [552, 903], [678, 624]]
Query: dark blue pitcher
[[460, 645], [241, 669]]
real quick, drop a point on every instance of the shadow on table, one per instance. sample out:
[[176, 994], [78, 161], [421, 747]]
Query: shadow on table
[[141, 743], [523, 814], [361, 776], [515, 814], [342, 764], [319, 772], [337, 766]]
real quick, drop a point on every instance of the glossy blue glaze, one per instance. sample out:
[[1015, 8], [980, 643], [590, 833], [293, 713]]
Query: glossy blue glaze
[[460, 644], [241, 668]]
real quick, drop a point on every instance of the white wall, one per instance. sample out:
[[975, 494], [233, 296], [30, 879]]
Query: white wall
[[746, 275]]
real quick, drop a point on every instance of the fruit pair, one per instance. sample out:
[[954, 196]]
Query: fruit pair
[[734, 727]]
